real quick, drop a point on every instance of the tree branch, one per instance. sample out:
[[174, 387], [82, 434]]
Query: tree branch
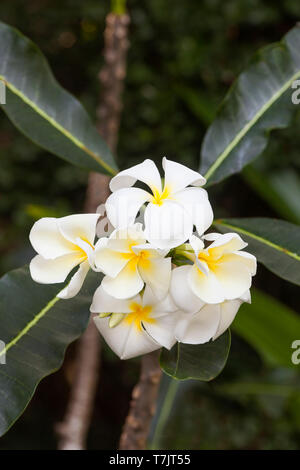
[[74, 428], [142, 406]]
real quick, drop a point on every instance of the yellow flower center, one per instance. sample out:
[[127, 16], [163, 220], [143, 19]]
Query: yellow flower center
[[211, 258], [138, 315], [159, 197], [80, 251], [141, 258]]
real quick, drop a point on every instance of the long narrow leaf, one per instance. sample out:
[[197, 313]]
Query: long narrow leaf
[[259, 100], [35, 327], [41, 109]]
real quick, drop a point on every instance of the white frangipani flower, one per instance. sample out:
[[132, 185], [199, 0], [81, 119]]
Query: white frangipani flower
[[220, 272], [147, 325], [128, 262], [209, 321], [62, 244], [171, 211]]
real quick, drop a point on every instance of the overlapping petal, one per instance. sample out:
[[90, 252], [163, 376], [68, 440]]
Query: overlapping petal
[[62, 244], [156, 273], [199, 327], [206, 286], [196, 203], [126, 284], [77, 226], [47, 240], [170, 213], [221, 271], [109, 261], [123, 205], [125, 340], [128, 262], [76, 282], [233, 275], [228, 311], [167, 225], [147, 323], [105, 303], [178, 176], [146, 172], [52, 271], [181, 291]]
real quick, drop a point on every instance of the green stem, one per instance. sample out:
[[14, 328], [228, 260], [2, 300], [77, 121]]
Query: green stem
[[164, 413], [187, 254], [118, 7]]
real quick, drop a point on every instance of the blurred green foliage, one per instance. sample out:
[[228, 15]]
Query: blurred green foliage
[[182, 60]]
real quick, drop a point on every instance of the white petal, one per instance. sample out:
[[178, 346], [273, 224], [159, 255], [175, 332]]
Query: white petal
[[206, 287], [151, 250], [105, 303], [126, 284], [211, 237], [200, 327], [156, 273], [229, 309], [162, 330], [168, 225], [79, 226], [249, 260], [166, 305], [196, 244], [87, 249], [181, 291], [246, 297], [47, 240], [110, 262], [123, 205], [227, 243], [233, 275], [76, 282], [178, 176], [146, 172], [123, 239], [125, 340], [196, 203], [52, 271]]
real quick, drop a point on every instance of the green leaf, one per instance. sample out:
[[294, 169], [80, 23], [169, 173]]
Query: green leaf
[[202, 361], [280, 189], [275, 243], [36, 327], [270, 327], [41, 109], [259, 100]]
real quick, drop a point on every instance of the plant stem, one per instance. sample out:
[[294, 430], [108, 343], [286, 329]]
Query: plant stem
[[118, 7], [74, 428], [143, 404], [164, 413]]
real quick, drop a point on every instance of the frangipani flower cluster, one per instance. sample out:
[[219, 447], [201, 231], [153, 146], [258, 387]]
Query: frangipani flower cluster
[[163, 279]]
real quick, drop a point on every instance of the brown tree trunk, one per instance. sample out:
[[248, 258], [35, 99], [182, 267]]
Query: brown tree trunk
[[143, 404], [73, 430]]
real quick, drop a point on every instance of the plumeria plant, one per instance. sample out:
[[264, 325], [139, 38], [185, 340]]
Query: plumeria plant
[[165, 275], [142, 303]]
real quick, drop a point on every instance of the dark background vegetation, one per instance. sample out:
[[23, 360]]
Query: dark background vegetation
[[184, 55]]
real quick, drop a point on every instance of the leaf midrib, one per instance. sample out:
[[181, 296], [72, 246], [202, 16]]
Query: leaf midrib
[[260, 239], [249, 126], [57, 126], [29, 325]]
